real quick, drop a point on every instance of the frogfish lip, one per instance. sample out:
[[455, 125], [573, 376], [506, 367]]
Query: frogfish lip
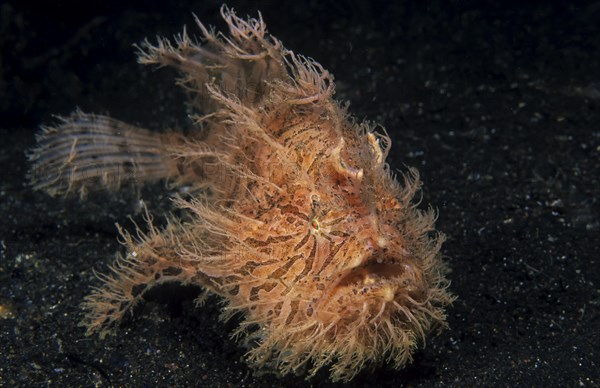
[[370, 273], [390, 274]]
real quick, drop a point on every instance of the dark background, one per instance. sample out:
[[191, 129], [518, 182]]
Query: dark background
[[496, 103]]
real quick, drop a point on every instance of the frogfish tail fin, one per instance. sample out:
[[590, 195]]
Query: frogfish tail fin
[[88, 152]]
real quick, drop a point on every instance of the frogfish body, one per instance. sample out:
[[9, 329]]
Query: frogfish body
[[291, 213]]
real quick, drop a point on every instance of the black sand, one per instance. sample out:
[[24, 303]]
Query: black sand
[[498, 106]]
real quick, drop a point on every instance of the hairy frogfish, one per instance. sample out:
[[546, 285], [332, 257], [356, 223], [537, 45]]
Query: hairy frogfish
[[288, 209]]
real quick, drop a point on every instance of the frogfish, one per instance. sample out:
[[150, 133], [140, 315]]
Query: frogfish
[[287, 209]]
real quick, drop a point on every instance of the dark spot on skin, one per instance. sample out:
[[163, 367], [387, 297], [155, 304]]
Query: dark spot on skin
[[234, 291], [172, 271], [128, 168]]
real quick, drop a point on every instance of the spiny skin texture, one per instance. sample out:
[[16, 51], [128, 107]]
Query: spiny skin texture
[[293, 216]]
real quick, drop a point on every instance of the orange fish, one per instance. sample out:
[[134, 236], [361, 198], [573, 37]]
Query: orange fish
[[290, 212]]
